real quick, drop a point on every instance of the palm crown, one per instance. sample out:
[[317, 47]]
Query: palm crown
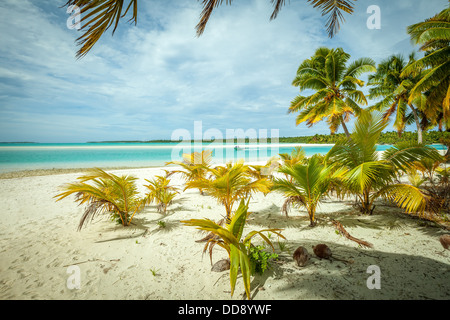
[[434, 37], [230, 183], [335, 84], [395, 89]]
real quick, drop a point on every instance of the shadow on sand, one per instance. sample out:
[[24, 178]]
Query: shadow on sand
[[401, 277]]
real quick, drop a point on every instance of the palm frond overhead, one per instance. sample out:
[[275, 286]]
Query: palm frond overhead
[[333, 9], [97, 16]]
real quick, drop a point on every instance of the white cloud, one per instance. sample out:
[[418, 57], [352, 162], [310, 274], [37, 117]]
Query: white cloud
[[150, 79]]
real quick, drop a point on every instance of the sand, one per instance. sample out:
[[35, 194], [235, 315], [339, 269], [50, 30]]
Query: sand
[[41, 250]]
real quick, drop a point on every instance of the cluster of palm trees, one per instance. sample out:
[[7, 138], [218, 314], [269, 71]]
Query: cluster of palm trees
[[412, 91], [118, 196], [352, 167]]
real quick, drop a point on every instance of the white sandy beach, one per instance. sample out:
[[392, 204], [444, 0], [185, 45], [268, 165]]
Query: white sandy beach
[[39, 241]]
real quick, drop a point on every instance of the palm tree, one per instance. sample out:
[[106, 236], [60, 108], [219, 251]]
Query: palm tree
[[195, 166], [297, 155], [161, 192], [108, 193], [434, 37], [307, 184], [230, 183], [231, 239], [98, 16], [368, 176], [395, 88], [335, 84]]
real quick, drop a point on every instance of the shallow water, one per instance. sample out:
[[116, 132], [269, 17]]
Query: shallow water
[[33, 156]]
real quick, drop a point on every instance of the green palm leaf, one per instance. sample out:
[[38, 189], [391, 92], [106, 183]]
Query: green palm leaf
[[232, 242]]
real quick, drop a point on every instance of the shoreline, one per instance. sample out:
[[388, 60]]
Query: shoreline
[[180, 145]]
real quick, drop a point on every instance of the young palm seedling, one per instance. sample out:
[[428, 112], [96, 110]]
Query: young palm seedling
[[105, 193], [231, 239], [161, 192]]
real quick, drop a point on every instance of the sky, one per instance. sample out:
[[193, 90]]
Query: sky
[[157, 78]]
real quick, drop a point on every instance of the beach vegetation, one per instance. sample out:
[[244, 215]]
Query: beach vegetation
[[229, 183], [306, 185], [160, 192], [260, 259], [395, 88], [433, 35], [105, 193], [161, 224], [264, 171], [230, 237], [297, 155], [336, 86], [194, 166], [370, 177]]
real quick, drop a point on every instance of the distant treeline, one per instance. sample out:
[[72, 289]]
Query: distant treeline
[[391, 137]]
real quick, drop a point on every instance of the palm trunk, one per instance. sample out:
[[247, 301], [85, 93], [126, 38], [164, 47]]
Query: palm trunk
[[123, 218], [366, 204], [419, 128], [311, 213], [345, 127], [228, 210]]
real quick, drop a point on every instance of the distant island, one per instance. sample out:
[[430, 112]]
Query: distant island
[[392, 137]]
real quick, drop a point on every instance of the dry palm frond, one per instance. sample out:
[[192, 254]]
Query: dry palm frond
[[97, 16], [344, 232], [293, 200]]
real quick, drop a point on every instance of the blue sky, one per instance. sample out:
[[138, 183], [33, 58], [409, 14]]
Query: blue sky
[[149, 80]]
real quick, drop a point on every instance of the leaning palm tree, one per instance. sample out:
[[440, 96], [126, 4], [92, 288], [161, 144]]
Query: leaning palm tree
[[370, 177], [230, 183], [434, 37], [307, 184], [232, 240], [98, 16], [106, 193], [390, 84], [335, 83]]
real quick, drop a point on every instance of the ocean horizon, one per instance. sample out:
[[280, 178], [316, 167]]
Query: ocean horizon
[[35, 156]]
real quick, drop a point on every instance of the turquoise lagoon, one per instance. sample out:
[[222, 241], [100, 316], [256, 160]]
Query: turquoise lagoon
[[31, 156]]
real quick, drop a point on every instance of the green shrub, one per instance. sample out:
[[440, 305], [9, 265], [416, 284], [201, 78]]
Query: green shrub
[[260, 259]]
